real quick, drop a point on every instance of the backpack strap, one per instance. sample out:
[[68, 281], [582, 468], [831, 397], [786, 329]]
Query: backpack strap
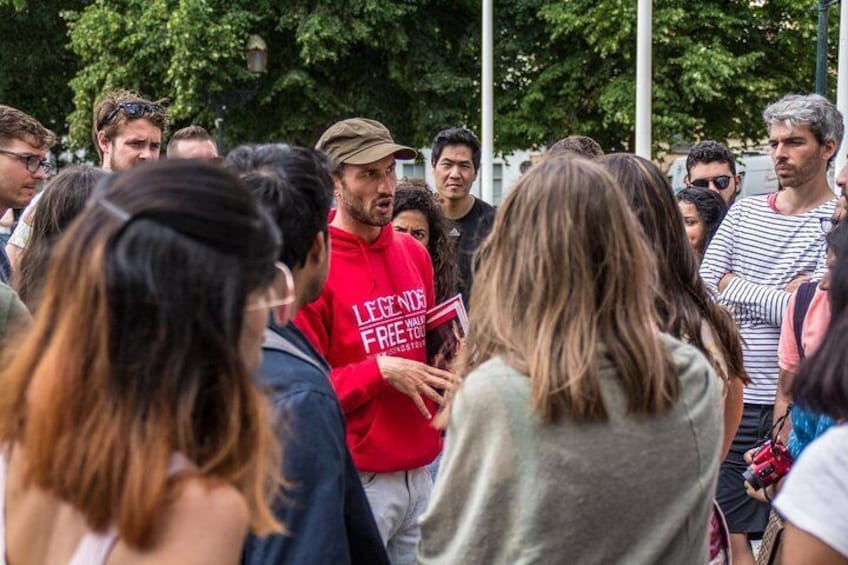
[[803, 297]]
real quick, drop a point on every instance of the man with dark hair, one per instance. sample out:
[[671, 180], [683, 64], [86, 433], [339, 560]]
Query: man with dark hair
[[456, 159], [711, 165], [764, 249], [324, 508], [192, 142], [127, 129], [578, 144], [23, 150], [370, 324]]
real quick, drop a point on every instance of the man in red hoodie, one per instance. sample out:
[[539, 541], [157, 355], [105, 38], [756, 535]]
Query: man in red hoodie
[[370, 325]]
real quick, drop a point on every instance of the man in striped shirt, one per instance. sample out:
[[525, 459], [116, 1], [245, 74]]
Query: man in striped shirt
[[766, 247]]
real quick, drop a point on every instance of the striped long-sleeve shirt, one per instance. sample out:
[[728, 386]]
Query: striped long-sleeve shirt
[[766, 250]]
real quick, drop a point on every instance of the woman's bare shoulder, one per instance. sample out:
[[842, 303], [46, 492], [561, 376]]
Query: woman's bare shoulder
[[207, 522]]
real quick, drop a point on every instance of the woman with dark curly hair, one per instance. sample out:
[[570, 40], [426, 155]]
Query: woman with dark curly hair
[[702, 210], [417, 213]]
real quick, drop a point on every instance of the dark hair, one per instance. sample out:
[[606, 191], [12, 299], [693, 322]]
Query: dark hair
[[822, 381], [295, 187], [580, 144], [63, 199], [710, 206], [838, 290], [135, 352], [709, 151], [837, 239], [682, 301], [456, 136], [414, 194], [189, 133]]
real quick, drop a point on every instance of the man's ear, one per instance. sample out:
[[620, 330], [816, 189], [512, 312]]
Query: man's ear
[[338, 183], [103, 142], [318, 250], [829, 149]]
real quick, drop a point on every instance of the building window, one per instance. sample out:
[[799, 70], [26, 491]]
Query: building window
[[497, 183], [413, 170]]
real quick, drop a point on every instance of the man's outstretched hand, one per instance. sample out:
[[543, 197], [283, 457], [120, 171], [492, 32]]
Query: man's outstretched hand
[[417, 380]]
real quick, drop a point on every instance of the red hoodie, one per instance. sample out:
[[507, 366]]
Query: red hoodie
[[374, 304]]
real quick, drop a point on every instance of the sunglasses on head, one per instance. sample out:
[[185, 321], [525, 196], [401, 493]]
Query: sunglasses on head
[[132, 110], [721, 182]]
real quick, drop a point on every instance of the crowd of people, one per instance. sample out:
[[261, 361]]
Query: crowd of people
[[224, 358]]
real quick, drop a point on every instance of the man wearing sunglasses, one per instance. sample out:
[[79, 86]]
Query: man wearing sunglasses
[[127, 130], [711, 165], [764, 249], [23, 150]]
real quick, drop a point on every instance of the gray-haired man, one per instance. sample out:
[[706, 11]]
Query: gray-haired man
[[766, 247]]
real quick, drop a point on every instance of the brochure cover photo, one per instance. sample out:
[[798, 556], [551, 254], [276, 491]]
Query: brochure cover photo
[[447, 324]]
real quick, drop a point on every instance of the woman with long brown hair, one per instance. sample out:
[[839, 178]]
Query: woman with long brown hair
[[580, 433], [686, 310], [63, 200], [131, 429]]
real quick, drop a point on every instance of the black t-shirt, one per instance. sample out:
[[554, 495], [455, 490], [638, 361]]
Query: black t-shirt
[[468, 233]]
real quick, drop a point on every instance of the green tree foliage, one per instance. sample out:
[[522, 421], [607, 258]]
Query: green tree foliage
[[412, 65], [35, 66], [560, 67], [716, 65]]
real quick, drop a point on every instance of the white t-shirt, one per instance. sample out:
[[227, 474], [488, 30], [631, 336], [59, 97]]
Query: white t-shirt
[[815, 495]]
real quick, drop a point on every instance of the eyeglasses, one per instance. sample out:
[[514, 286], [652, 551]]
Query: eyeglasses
[[721, 182], [279, 297], [133, 110], [827, 223], [33, 162]]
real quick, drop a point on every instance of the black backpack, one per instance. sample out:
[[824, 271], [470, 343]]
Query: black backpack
[[803, 297]]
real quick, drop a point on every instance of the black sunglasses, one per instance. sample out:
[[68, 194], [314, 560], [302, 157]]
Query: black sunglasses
[[721, 182], [133, 110]]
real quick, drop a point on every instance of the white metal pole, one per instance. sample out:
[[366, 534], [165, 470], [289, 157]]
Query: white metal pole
[[486, 185], [842, 83], [643, 78]]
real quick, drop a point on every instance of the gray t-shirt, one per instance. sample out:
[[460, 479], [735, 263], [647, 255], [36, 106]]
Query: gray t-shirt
[[633, 489]]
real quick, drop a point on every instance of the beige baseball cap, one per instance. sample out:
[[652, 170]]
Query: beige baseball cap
[[359, 141]]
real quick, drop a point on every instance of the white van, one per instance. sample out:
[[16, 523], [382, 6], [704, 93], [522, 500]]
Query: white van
[[756, 170]]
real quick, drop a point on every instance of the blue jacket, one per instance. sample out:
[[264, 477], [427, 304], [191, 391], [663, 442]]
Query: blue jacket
[[325, 509]]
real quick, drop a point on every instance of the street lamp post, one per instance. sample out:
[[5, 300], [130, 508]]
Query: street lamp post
[[644, 55], [256, 53], [821, 46]]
